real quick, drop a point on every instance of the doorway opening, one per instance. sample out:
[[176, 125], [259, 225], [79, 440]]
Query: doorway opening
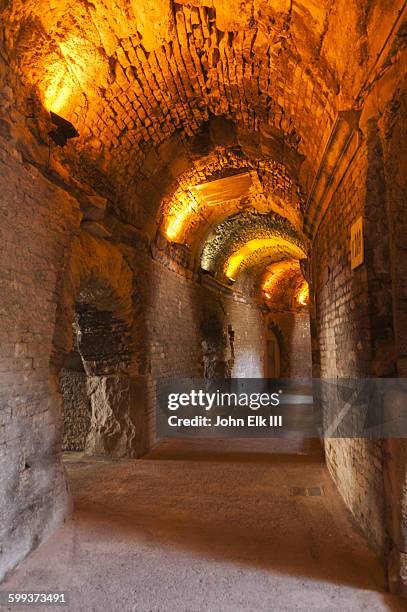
[[99, 415], [273, 355]]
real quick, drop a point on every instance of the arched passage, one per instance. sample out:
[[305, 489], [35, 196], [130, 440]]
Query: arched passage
[[273, 354], [96, 322], [263, 131]]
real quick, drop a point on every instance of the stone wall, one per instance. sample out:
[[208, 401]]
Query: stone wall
[[390, 129], [343, 327], [190, 324], [174, 326], [76, 410], [357, 315], [392, 126], [189, 330], [247, 324], [37, 222], [169, 308]]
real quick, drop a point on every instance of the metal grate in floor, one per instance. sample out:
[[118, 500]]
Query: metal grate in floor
[[307, 491]]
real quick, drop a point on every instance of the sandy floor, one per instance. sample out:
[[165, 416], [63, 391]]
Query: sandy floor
[[214, 526]]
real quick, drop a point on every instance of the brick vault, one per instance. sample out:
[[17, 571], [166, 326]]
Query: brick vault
[[196, 222]]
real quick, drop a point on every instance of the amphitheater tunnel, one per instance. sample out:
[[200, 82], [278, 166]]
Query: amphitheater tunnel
[[215, 192]]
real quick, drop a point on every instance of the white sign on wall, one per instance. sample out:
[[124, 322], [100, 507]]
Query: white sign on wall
[[356, 244]]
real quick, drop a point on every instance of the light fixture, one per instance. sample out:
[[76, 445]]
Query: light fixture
[[63, 131]]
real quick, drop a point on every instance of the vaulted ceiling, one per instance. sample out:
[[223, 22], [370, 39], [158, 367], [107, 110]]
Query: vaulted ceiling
[[206, 119]]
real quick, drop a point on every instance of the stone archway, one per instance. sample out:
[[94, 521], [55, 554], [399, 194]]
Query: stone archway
[[97, 306]]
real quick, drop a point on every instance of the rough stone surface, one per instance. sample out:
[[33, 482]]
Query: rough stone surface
[[227, 237], [113, 423], [309, 99], [293, 332], [38, 220], [76, 410], [209, 525]]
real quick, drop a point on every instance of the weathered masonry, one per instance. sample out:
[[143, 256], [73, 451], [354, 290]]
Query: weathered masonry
[[197, 222]]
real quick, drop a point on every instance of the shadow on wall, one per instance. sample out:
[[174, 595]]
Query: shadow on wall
[[217, 344], [273, 353], [289, 345]]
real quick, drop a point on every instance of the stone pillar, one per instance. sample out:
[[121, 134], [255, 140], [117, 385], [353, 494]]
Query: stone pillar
[[118, 409]]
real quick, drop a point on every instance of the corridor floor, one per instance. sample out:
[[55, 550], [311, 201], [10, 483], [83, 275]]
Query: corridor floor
[[208, 526]]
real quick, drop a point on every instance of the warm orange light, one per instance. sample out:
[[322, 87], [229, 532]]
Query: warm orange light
[[303, 294], [59, 90], [68, 73], [191, 205], [275, 243], [179, 216], [277, 272]]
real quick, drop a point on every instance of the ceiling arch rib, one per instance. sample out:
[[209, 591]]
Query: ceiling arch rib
[[240, 214], [181, 185], [258, 249], [234, 183], [246, 238], [281, 284], [203, 204], [284, 286]]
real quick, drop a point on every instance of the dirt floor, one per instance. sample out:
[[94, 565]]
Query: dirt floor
[[209, 525]]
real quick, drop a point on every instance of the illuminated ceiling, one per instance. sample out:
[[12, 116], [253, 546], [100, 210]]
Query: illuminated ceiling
[[234, 222], [276, 272], [133, 75], [276, 238], [284, 286], [234, 182], [258, 249], [204, 201], [195, 117]]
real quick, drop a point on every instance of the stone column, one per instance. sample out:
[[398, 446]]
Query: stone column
[[118, 409]]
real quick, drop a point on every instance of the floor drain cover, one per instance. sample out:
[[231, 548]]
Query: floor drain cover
[[314, 491], [304, 492]]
